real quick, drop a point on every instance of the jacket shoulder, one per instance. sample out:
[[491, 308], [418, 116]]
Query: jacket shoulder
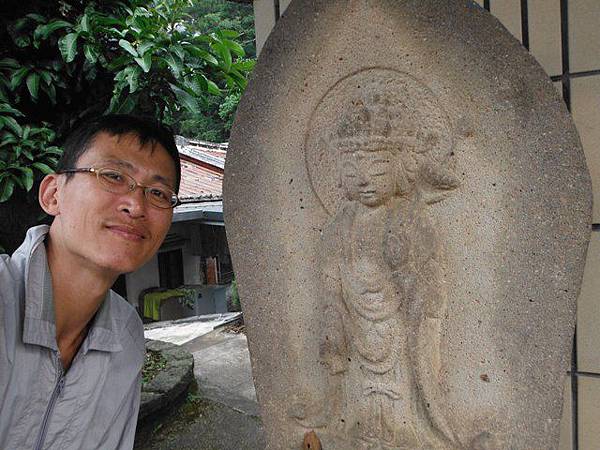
[[133, 329]]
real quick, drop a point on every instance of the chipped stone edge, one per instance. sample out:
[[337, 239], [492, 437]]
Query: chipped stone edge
[[168, 384]]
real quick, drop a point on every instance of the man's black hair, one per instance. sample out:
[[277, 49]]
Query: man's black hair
[[147, 131]]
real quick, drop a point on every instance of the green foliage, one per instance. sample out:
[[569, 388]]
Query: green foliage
[[157, 58], [235, 296], [154, 362], [26, 153]]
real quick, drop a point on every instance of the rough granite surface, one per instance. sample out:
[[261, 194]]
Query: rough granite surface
[[408, 210]]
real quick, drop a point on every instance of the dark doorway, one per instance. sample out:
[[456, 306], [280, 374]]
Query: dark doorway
[[170, 269]]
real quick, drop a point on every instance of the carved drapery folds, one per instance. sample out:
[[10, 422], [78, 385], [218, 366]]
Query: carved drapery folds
[[382, 270]]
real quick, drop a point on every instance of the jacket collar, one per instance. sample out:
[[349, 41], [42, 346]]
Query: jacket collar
[[39, 323]]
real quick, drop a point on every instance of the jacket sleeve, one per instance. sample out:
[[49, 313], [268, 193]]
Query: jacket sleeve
[[129, 415]]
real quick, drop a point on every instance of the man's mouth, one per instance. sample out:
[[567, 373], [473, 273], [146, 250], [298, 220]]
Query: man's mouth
[[128, 232]]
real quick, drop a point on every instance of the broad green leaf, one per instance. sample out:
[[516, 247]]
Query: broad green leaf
[[8, 139], [27, 177], [174, 64], [12, 124], [225, 55], [120, 33], [9, 63], [213, 88], [85, 23], [6, 108], [141, 11], [133, 77], [144, 47], [126, 45], [52, 161], [122, 74], [229, 34], [187, 101], [33, 84], [46, 77], [44, 168], [28, 154], [119, 62], [26, 132], [22, 41], [200, 53], [124, 107], [17, 180], [44, 31], [37, 17], [229, 80], [91, 53], [68, 46], [234, 47], [199, 85], [245, 66], [178, 50], [145, 62], [238, 79], [53, 150], [7, 187], [107, 21], [17, 77]]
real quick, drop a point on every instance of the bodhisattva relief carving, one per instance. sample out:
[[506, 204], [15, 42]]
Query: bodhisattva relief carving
[[383, 281]]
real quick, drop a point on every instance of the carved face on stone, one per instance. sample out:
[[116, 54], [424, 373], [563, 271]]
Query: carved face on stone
[[369, 176]]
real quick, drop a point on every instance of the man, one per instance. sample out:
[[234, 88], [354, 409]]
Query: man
[[71, 350]]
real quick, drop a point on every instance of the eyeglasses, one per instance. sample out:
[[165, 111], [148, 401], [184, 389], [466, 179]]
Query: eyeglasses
[[117, 182]]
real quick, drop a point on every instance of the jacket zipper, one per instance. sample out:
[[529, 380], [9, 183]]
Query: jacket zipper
[[60, 383]]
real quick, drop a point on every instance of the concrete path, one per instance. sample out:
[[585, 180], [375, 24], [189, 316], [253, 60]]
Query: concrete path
[[222, 369], [184, 330], [222, 414]]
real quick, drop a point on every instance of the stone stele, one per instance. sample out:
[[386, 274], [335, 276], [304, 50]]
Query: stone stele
[[408, 210]]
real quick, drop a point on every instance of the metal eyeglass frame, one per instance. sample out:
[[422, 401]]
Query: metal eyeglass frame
[[132, 186]]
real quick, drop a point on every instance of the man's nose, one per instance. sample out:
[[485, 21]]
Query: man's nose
[[134, 202]]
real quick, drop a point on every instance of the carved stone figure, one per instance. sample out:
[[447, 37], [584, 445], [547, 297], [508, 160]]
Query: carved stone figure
[[382, 273], [407, 206]]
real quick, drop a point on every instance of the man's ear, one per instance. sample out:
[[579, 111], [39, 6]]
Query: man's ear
[[48, 194]]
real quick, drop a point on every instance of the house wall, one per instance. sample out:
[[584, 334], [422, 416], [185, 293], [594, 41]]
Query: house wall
[[146, 276], [564, 36], [193, 251]]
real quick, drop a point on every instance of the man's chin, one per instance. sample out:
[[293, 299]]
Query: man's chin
[[124, 263]]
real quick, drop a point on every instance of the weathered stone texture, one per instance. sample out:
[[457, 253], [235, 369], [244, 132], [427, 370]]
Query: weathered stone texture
[[407, 205]]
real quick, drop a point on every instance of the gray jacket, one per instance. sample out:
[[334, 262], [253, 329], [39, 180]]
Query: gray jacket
[[95, 404]]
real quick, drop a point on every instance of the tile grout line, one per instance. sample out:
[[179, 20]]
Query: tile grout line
[[566, 88], [566, 80], [525, 23]]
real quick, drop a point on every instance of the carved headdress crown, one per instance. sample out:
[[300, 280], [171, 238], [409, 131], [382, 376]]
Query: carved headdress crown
[[374, 123]]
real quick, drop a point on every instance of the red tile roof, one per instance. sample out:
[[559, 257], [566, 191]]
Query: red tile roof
[[201, 169]]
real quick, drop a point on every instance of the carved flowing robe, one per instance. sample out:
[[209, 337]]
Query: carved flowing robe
[[381, 340]]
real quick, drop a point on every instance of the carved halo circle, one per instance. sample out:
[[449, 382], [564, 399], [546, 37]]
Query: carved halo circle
[[413, 121]]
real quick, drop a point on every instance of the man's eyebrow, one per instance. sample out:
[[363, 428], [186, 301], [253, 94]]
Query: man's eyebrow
[[128, 165], [120, 162]]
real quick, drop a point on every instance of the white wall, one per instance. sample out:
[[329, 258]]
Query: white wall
[[146, 276], [192, 269]]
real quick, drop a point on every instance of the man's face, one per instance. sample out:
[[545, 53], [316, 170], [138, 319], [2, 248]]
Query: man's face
[[116, 233], [368, 177]]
